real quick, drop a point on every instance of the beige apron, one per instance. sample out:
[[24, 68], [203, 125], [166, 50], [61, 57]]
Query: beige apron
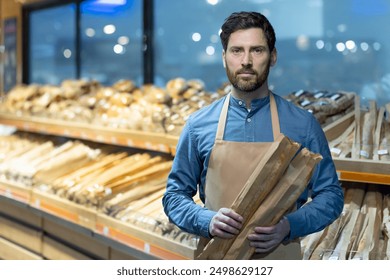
[[230, 165]]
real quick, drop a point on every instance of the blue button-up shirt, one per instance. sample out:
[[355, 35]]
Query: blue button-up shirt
[[189, 169]]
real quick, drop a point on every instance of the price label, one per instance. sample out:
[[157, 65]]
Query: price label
[[149, 145], [336, 151], [305, 102], [8, 193], [163, 148], [130, 143], [364, 154], [37, 203], [383, 152], [147, 248], [100, 138], [335, 97], [299, 93]]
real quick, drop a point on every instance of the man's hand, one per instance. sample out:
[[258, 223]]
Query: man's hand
[[225, 224], [265, 239]]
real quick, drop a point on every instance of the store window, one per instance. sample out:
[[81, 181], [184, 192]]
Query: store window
[[322, 45], [111, 40], [109, 49], [188, 44], [52, 45]]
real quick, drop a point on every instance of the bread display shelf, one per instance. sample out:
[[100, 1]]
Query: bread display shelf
[[142, 240], [357, 170], [364, 171], [370, 171], [64, 209], [127, 234], [107, 135], [15, 191]]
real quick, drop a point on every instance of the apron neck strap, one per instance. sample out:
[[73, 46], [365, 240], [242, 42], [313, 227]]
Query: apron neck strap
[[223, 117], [274, 116]]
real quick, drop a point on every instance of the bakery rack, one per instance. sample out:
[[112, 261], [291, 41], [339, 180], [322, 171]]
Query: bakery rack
[[368, 171], [144, 242], [357, 170]]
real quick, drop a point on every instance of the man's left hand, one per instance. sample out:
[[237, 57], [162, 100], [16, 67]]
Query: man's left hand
[[265, 239]]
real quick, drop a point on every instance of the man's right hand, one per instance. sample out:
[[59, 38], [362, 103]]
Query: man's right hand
[[225, 224]]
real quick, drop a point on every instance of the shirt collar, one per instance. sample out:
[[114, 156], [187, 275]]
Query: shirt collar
[[256, 104]]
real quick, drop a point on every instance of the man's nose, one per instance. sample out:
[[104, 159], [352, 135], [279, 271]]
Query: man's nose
[[247, 59]]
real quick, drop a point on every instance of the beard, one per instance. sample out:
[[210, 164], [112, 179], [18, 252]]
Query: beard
[[247, 84]]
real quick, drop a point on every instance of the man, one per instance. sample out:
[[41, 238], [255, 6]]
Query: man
[[248, 41]]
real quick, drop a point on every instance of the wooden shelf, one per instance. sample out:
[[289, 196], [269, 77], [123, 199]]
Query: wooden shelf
[[364, 171], [15, 191], [137, 238], [107, 135], [368, 171], [142, 240], [357, 170]]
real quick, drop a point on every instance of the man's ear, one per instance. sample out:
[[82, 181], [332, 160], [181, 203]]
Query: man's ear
[[274, 57], [223, 59]]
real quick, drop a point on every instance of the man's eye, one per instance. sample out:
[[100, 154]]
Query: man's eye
[[258, 51], [236, 51]]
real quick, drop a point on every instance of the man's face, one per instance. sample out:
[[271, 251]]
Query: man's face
[[247, 59]]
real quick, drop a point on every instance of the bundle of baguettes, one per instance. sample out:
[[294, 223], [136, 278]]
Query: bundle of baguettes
[[63, 184], [63, 160], [382, 134], [361, 232], [17, 167], [366, 244], [126, 187], [36, 161], [335, 241], [386, 226], [270, 192], [111, 177], [142, 207], [354, 196], [367, 137]]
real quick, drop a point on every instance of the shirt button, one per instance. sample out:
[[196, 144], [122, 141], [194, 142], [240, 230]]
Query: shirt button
[[240, 103], [248, 119]]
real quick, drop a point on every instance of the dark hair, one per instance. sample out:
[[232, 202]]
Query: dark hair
[[245, 20]]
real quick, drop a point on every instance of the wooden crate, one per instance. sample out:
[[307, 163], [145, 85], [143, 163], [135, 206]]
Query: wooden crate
[[143, 240], [357, 170], [64, 209], [116, 254], [22, 235], [12, 251], [82, 240], [21, 213], [335, 129], [54, 250], [15, 191]]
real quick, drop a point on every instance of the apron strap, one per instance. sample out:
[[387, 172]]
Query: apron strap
[[223, 117], [274, 116]]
